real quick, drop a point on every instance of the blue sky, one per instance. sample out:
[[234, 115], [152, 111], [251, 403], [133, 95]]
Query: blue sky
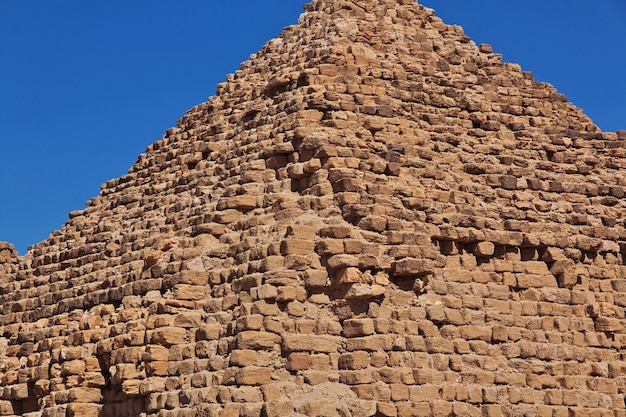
[[86, 86]]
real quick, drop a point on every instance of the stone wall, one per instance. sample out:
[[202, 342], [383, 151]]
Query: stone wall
[[373, 216]]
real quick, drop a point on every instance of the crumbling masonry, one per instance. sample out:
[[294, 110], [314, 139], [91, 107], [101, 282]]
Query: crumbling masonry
[[372, 217]]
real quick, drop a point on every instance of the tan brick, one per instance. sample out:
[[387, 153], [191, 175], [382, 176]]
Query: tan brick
[[83, 410], [535, 281], [256, 340], [484, 249], [209, 332], [441, 408], [386, 409], [310, 343], [476, 332], [412, 266], [354, 360], [253, 376], [358, 327], [297, 361], [243, 357], [293, 246], [250, 322], [168, 336]]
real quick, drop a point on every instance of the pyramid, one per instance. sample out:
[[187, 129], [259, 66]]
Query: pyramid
[[372, 217]]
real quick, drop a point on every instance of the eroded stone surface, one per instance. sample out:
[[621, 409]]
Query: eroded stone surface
[[373, 216]]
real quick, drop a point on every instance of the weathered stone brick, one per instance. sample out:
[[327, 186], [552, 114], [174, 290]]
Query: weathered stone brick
[[256, 340], [310, 343], [253, 376], [358, 327], [168, 336]]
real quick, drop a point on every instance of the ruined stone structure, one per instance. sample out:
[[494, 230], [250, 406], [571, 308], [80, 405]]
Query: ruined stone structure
[[373, 216]]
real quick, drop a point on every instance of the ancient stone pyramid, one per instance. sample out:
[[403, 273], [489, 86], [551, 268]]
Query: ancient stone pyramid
[[372, 217]]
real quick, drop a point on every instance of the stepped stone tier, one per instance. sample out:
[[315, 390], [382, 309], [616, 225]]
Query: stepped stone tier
[[372, 217]]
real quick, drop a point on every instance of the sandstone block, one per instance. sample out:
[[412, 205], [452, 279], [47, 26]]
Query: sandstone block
[[156, 353], [336, 262], [329, 247], [358, 327], [349, 275], [354, 360], [266, 292], [168, 336], [356, 377], [608, 324], [7, 408], [310, 343], [256, 340], [19, 391], [209, 332], [151, 385], [157, 368], [88, 395], [83, 410], [73, 367], [316, 278], [293, 246], [297, 361], [278, 408], [535, 281], [243, 357], [476, 332], [193, 277], [386, 409], [484, 249], [131, 387], [413, 266], [371, 343], [359, 290], [244, 202], [253, 376], [250, 322], [188, 320]]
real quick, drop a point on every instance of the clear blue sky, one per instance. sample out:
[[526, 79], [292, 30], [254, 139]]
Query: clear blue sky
[[85, 86]]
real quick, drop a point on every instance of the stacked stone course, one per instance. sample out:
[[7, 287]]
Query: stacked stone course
[[372, 217]]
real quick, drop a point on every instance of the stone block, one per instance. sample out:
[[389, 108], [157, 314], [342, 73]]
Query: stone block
[[256, 340], [316, 278], [83, 410], [278, 408], [250, 322], [412, 267], [243, 357], [354, 360], [484, 249], [349, 275], [298, 361], [356, 377], [211, 331], [360, 291], [386, 409], [168, 336], [358, 327], [253, 376], [131, 387], [337, 262], [535, 281], [155, 353], [17, 392], [293, 246], [310, 343], [73, 367], [476, 332]]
